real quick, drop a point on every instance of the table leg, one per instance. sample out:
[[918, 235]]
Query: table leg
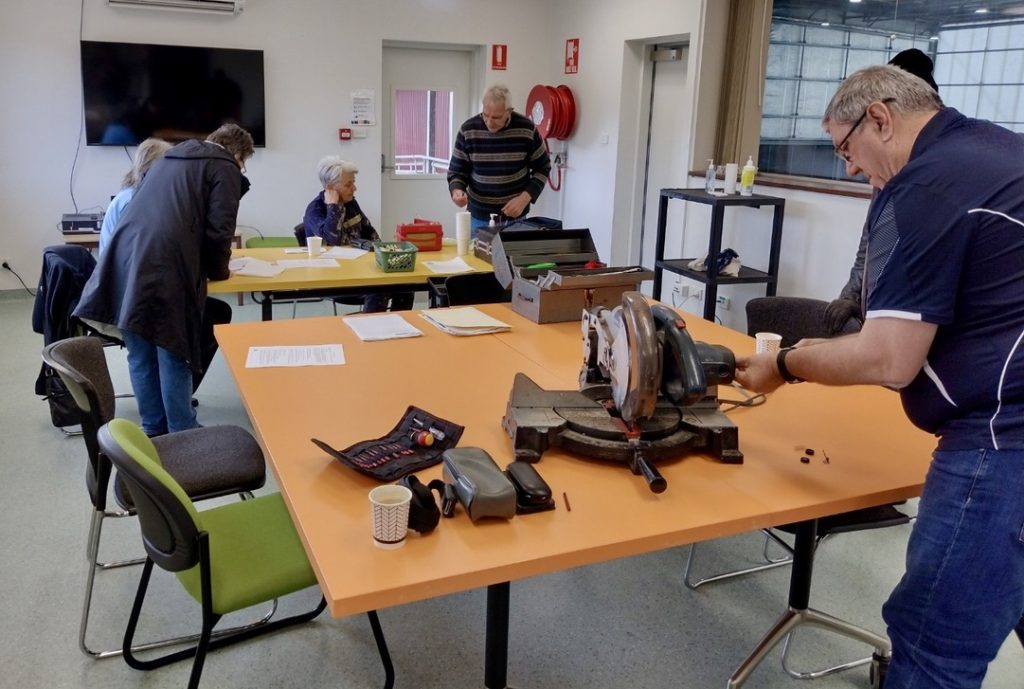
[[496, 644], [268, 306]]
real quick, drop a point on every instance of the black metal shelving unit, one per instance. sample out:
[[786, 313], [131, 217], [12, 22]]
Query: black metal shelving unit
[[718, 205]]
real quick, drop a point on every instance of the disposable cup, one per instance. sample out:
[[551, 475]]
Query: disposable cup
[[390, 507], [314, 245], [768, 342], [731, 170]]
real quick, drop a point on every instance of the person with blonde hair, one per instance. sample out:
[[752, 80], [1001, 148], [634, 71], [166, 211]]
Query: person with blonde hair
[[145, 155]]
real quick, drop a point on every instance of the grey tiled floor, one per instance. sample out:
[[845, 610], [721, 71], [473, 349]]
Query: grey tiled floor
[[623, 624]]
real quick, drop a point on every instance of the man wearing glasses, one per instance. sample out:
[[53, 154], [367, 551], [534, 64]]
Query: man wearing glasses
[[945, 326], [499, 162]]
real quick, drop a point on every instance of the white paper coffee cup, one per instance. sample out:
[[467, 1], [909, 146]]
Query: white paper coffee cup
[[390, 507], [314, 245], [768, 342]]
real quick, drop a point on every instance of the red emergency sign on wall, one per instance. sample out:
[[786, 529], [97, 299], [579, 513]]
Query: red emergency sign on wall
[[572, 55], [499, 56]]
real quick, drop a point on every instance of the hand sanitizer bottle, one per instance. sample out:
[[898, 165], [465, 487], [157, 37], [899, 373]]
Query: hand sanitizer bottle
[[492, 223], [747, 178], [709, 177]]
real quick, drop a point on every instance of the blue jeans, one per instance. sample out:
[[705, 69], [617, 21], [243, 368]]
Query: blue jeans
[[475, 224], [963, 591], [162, 383]]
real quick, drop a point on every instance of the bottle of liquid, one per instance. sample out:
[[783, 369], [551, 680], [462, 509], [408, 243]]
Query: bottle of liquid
[[747, 178], [493, 223], [709, 177]]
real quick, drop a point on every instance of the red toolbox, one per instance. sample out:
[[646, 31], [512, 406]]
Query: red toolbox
[[425, 234]]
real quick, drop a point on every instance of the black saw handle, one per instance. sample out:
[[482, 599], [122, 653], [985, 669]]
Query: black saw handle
[[655, 481]]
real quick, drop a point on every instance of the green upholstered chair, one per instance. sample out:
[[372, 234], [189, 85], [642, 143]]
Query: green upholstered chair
[[270, 242], [227, 558], [208, 462]]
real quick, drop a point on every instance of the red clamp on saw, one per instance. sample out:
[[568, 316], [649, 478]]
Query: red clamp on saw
[[647, 393]]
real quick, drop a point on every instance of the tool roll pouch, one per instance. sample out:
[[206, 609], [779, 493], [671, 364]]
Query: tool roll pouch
[[475, 480]]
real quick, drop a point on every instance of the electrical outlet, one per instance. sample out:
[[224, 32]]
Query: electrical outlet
[[723, 302], [697, 294], [681, 291]]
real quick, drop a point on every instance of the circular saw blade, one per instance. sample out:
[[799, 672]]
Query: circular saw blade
[[636, 360]]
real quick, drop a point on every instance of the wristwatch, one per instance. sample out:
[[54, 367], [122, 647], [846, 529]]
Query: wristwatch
[[780, 363]]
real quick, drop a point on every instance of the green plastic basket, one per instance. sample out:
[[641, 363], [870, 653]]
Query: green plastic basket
[[395, 257]]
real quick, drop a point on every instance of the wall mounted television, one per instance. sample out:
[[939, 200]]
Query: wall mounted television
[[134, 90]]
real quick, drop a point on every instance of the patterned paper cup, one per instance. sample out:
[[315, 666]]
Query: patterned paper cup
[[768, 342], [390, 506]]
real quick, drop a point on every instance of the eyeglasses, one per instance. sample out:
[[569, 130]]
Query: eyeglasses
[[840, 148]]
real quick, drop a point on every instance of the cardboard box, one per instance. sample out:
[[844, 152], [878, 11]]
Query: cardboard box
[[561, 296]]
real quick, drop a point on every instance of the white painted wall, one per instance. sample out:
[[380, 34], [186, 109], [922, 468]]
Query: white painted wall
[[317, 51]]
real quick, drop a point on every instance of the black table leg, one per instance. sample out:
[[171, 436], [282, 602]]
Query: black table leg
[[268, 306], [496, 644]]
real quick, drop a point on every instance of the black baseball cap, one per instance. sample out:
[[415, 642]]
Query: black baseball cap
[[917, 63]]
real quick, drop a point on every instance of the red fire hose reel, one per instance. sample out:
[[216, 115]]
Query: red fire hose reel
[[553, 111]]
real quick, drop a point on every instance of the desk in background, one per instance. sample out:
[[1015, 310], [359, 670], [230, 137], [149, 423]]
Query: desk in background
[[91, 240], [468, 380], [351, 277]]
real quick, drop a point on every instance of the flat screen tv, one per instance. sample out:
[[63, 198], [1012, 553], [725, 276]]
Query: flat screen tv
[[133, 91]]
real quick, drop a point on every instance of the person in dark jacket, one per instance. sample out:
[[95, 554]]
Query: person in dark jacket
[[150, 284], [335, 216]]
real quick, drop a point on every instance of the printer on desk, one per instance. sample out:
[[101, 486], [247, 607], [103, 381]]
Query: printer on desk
[[81, 223]]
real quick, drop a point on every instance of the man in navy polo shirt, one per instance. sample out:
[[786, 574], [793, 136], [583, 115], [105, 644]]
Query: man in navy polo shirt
[[944, 326]]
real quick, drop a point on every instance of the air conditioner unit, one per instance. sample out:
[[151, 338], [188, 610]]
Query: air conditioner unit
[[214, 6]]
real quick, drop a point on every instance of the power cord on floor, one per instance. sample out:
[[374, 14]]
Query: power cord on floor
[[7, 266]]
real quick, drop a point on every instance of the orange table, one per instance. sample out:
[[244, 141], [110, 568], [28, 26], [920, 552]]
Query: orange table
[[355, 276], [876, 458]]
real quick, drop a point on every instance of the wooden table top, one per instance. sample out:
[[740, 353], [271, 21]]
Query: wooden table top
[[359, 272], [876, 457]]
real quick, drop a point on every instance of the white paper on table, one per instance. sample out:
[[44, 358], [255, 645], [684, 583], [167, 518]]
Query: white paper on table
[[253, 267], [301, 355], [298, 250], [454, 265], [307, 263], [344, 252], [464, 321], [385, 327]]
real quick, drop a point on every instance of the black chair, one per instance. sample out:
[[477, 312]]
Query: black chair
[[208, 462], [467, 289], [795, 318]]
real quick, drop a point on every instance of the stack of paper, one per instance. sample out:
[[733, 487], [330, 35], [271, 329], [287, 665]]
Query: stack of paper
[[451, 266], [464, 321], [253, 267], [307, 263], [301, 355], [386, 327]]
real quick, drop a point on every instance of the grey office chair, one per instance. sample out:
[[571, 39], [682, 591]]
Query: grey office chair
[[208, 462], [795, 318]]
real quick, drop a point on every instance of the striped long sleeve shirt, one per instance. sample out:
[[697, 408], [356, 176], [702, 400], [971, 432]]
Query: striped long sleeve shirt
[[494, 168]]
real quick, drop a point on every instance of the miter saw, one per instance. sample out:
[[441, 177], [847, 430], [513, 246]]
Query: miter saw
[[647, 392]]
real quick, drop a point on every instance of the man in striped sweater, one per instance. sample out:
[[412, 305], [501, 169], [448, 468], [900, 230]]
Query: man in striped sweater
[[499, 164]]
